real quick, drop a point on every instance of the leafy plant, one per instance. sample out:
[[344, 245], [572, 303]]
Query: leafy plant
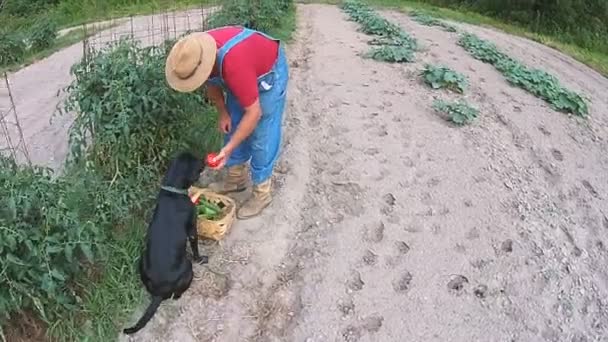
[[428, 20], [535, 81], [439, 76], [47, 226], [394, 44], [459, 112], [43, 34], [262, 15], [128, 117], [12, 48], [391, 54]]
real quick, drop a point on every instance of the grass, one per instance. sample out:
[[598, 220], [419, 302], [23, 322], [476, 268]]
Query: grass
[[107, 302], [68, 39], [71, 14], [594, 59], [286, 29]]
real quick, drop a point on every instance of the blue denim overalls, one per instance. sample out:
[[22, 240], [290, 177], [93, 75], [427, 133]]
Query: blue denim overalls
[[263, 145]]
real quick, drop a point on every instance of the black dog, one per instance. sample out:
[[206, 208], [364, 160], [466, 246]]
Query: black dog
[[163, 267]]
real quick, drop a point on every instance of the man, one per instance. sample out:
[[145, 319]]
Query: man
[[251, 69]]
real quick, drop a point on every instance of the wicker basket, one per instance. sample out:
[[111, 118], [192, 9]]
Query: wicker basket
[[217, 229]]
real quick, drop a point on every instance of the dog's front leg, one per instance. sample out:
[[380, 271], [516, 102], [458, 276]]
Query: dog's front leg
[[193, 237]]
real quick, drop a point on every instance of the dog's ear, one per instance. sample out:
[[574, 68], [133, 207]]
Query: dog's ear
[[197, 167]]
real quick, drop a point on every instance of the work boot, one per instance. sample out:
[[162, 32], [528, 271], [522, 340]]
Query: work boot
[[259, 200], [234, 181]]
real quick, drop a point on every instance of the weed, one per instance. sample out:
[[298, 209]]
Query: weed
[[424, 18], [393, 44], [535, 81], [12, 48], [43, 35], [439, 76], [458, 112]]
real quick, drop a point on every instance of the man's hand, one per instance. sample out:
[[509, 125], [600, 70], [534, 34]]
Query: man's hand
[[224, 123], [221, 158]]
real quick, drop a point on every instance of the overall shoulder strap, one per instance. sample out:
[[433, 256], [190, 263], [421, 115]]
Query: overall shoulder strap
[[244, 34]]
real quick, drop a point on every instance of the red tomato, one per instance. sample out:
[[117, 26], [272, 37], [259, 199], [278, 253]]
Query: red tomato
[[210, 161]]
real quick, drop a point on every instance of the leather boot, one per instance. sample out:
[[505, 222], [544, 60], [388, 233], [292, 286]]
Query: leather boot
[[258, 201], [234, 181]]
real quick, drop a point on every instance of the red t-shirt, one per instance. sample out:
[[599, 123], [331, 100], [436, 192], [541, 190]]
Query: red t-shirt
[[245, 62]]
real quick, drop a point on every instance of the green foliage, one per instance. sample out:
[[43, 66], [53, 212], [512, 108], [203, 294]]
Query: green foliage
[[47, 226], [582, 22], [424, 18], [128, 118], [261, 15], [391, 54], [43, 34], [12, 48], [24, 8], [535, 81], [440, 76], [458, 112], [394, 44]]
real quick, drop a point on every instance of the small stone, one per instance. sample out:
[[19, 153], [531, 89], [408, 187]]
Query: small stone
[[373, 323], [370, 258], [346, 307], [283, 167], [480, 291], [389, 199], [402, 247], [507, 246], [402, 283], [351, 334], [376, 233], [354, 282], [457, 282]]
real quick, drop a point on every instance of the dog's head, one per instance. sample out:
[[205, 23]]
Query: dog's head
[[184, 171]]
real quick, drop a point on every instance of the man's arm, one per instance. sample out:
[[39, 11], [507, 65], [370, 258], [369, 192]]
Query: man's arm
[[246, 126], [216, 96]]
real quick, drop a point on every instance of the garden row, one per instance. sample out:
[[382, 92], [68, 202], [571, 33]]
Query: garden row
[[397, 46], [535, 81], [71, 241]]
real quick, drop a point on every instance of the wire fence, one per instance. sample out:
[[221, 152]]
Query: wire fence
[[150, 29], [12, 143], [168, 20]]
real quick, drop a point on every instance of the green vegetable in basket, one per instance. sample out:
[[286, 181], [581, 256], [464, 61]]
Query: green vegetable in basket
[[208, 209]]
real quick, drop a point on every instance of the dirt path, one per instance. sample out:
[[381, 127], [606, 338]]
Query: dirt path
[[390, 225], [37, 88]]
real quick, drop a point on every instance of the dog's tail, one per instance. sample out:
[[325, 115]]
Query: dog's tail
[[150, 311]]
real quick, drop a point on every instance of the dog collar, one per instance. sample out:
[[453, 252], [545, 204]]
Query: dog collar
[[175, 190]]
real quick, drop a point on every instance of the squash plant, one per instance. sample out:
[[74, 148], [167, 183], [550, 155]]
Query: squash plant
[[535, 81]]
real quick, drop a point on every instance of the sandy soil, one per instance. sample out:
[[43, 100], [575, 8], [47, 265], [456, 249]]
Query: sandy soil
[[389, 224]]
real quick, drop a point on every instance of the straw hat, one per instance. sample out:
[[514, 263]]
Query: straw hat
[[190, 61]]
